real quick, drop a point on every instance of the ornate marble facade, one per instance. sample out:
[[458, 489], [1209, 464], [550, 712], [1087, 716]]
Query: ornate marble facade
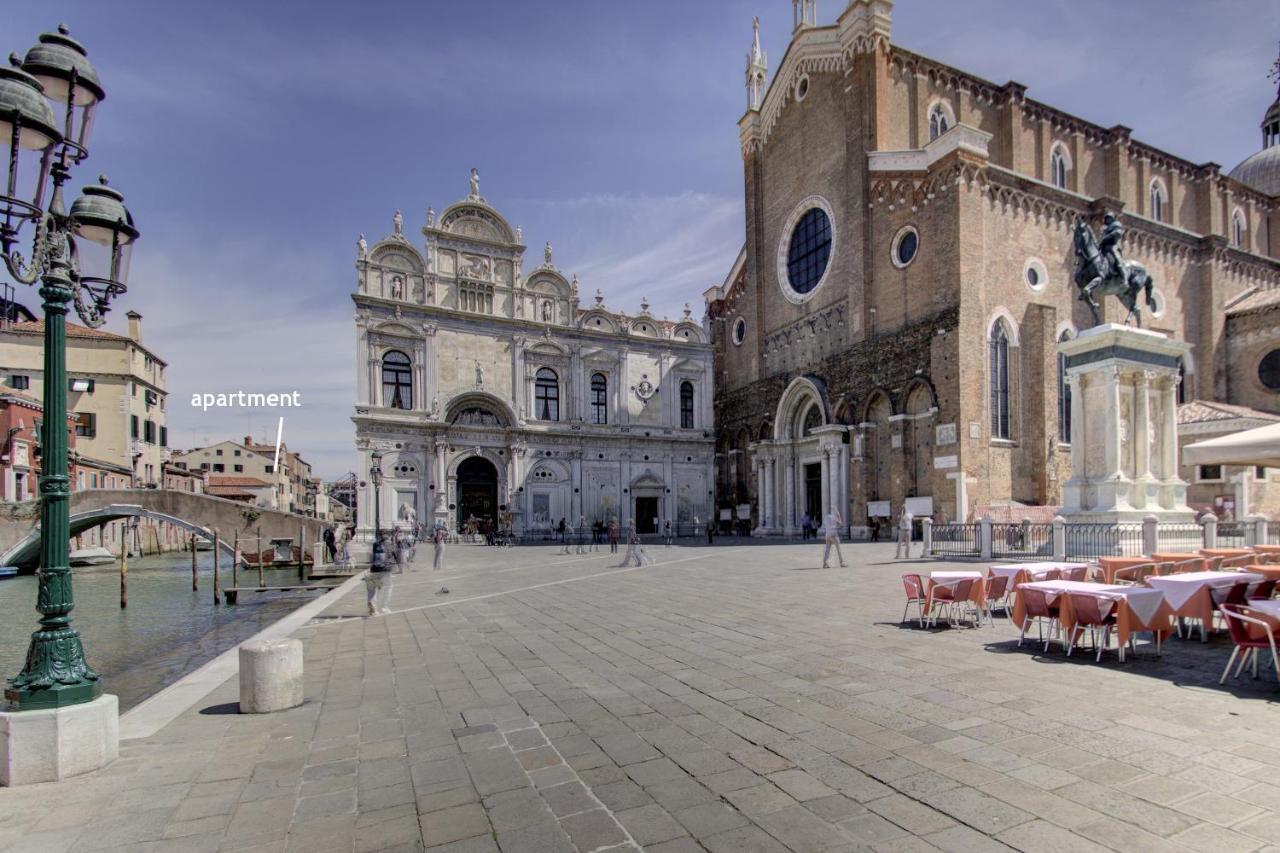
[[491, 391]]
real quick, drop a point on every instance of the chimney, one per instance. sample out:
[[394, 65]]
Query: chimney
[[135, 326], [248, 441]]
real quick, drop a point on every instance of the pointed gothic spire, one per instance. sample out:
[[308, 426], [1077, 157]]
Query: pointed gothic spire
[[757, 68]]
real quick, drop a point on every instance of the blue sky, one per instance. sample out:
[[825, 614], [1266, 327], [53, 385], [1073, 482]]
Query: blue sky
[[255, 140]]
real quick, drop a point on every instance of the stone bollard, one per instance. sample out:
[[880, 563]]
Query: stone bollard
[[270, 676]]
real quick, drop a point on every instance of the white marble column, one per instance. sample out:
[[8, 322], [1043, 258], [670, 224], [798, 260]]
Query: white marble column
[[518, 392], [1111, 399], [1142, 425], [760, 489], [789, 502], [1078, 429], [1168, 429], [825, 467], [624, 387], [362, 376], [833, 476], [769, 494]]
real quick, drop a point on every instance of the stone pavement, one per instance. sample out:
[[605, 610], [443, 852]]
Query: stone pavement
[[732, 699]]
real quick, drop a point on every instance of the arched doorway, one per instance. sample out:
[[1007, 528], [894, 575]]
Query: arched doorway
[[477, 490]]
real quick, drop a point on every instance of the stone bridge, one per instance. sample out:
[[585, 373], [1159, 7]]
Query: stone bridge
[[200, 514]]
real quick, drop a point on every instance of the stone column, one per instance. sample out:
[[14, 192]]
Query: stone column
[[770, 494], [1142, 425], [824, 465], [833, 479], [430, 363], [669, 496], [789, 501], [761, 486], [375, 386], [576, 390], [1111, 460], [518, 395], [362, 379], [1168, 430], [624, 508], [575, 497], [1078, 429], [667, 396], [624, 388]]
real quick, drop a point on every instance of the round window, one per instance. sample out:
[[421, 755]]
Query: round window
[[1033, 277], [739, 331], [802, 87], [810, 250], [1158, 298], [1034, 274], [1269, 370], [905, 246]]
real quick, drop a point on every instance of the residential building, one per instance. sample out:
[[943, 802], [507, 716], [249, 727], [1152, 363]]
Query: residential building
[[1230, 492]]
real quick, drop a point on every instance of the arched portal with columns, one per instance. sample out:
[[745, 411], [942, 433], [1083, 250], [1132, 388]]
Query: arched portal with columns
[[803, 470]]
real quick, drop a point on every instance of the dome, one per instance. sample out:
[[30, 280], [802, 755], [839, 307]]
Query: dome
[[1261, 171]]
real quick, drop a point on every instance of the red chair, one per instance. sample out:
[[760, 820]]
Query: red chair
[[1264, 590], [997, 593], [951, 596], [1037, 607], [1089, 614], [1053, 575], [1251, 630], [1076, 574], [1134, 575], [914, 585]]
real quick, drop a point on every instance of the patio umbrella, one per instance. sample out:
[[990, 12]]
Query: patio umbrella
[[1260, 446]]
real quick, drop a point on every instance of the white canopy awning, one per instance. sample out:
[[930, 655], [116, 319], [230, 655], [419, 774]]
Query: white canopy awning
[[1259, 446]]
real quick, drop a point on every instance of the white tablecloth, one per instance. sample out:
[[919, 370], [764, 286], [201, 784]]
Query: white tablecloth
[[1179, 589], [1035, 570], [1143, 602], [953, 578], [1269, 606]]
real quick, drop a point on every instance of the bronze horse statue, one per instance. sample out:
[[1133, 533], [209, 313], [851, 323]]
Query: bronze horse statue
[[1096, 273]]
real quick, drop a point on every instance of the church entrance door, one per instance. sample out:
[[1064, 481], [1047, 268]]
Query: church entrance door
[[813, 492], [646, 515], [477, 490]]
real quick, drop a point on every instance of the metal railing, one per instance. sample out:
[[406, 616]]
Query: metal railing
[[955, 540], [1021, 539], [1273, 532], [1090, 541], [1231, 534], [1179, 538]]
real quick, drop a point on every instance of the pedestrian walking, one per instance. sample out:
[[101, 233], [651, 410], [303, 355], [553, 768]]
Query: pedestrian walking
[[582, 536], [438, 539], [566, 533], [633, 548], [711, 531], [613, 536], [597, 533], [560, 528], [330, 544], [905, 520], [805, 524], [833, 523], [666, 530], [400, 546], [378, 581]]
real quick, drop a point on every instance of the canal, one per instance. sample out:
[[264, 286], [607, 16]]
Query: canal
[[167, 630]]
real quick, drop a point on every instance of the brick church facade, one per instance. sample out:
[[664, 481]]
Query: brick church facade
[[888, 333]]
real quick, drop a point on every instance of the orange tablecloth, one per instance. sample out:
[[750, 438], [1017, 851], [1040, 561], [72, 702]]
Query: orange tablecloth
[[1270, 571], [1179, 557], [1267, 549], [1189, 594], [977, 593], [1225, 552], [1111, 564], [1128, 621]]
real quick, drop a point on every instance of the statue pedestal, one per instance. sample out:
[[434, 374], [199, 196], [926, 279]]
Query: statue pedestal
[[1124, 426]]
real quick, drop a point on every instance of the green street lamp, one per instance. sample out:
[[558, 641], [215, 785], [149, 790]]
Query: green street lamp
[[80, 258]]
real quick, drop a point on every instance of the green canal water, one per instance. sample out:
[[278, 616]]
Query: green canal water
[[166, 631]]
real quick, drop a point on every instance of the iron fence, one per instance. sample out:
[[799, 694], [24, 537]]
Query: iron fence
[[1021, 539], [1231, 534], [1273, 533], [955, 540], [1179, 538], [1091, 541]]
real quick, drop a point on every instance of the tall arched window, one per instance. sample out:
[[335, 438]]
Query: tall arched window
[[397, 380], [1159, 200], [999, 381], [686, 405], [1064, 395], [938, 122], [1237, 229], [599, 399], [547, 395], [1182, 382], [1058, 167]]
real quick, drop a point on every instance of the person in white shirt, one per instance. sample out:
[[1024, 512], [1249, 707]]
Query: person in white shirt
[[905, 520], [833, 522]]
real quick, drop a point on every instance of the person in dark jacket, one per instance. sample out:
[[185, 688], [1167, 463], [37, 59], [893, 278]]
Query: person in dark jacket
[[378, 581]]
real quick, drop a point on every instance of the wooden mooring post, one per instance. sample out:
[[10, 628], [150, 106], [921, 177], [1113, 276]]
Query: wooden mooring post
[[302, 554], [195, 577], [124, 578], [235, 561], [217, 586]]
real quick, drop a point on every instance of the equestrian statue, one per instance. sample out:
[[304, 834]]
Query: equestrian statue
[[1101, 270]]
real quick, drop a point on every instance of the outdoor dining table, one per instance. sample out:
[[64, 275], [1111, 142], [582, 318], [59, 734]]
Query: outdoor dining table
[[1111, 565], [1026, 572], [1136, 608], [1269, 606], [1270, 571], [977, 594], [1189, 594], [1226, 553], [1201, 562]]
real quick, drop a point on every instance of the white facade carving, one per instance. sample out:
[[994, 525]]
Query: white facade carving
[[492, 393]]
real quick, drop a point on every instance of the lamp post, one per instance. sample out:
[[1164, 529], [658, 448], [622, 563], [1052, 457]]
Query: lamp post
[[375, 474], [80, 258]]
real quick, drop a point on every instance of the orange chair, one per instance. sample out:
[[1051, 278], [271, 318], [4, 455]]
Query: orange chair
[[914, 585], [1089, 614], [997, 593], [1037, 607], [1134, 574], [951, 597], [1264, 590], [1076, 574], [1251, 631]]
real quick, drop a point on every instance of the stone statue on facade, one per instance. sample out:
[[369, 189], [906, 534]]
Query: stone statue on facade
[[431, 217], [546, 254], [1100, 269], [519, 234], [475, 183], [398, 222], [362, 247], [479, 374]]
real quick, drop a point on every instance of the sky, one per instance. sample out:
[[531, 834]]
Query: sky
[[255, 140]]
